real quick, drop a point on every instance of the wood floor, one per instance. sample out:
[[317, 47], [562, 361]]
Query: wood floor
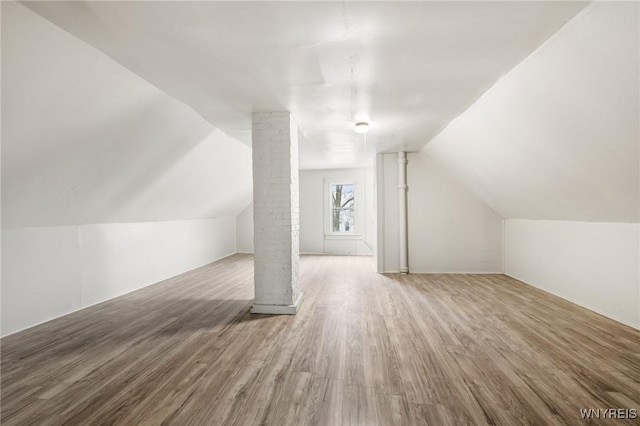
[[365, 349]]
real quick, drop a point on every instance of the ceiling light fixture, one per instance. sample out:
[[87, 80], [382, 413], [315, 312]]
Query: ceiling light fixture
[[361, 127]]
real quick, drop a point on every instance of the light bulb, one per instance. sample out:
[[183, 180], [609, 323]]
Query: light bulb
[[361, 127]]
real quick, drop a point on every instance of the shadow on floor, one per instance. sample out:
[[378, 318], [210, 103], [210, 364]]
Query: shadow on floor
[[125, 320]]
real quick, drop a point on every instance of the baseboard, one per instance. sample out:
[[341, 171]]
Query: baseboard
[[113, 297], [312, 253], [445, 273], [634, 326], [457, 273], [318, 253]]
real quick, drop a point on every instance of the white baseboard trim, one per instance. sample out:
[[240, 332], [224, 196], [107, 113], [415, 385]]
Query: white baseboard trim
[[445, 273], [457, 273], [311, 253], [318, 253], [81, 308], [590, 308], [277, 309]]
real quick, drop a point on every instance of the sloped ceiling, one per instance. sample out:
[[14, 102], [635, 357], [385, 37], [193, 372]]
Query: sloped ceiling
[[407, 67], [84, 140], [557, 138]]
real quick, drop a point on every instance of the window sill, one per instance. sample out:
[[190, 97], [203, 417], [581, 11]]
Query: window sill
[[343, 236]]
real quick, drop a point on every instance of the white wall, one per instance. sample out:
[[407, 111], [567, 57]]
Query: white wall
[[557, 140], [244, 230], [49, 272], [557, 137], [313, 211], [596, 265], [388, 244], [450, 229], [108, 183]]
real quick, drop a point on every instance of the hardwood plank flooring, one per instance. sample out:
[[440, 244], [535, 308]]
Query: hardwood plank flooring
[[365, 349]]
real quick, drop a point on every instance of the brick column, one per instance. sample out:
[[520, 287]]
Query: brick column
[[276, 222]]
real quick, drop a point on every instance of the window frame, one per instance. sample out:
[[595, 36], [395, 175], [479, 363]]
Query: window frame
[[328, 209]]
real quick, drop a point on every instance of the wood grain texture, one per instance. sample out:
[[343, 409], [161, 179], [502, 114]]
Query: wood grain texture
[[365, 349]]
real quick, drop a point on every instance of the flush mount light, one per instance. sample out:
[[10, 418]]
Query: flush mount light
[[361, 127]]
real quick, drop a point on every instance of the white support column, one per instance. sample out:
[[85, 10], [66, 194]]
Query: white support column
[[276, 221], [402, 213]]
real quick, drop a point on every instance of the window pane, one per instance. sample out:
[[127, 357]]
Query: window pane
[[342, 195], [344, 220]]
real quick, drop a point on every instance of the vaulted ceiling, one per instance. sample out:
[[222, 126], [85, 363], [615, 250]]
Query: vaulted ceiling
[[140, 111], [559, 136], [84, 140]]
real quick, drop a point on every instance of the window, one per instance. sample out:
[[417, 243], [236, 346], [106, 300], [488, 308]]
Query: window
[[342, 211]]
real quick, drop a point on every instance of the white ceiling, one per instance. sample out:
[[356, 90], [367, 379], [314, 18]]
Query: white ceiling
[[408, 68]]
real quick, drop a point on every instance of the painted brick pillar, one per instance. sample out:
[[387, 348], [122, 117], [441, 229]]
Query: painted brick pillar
[[276, 217]]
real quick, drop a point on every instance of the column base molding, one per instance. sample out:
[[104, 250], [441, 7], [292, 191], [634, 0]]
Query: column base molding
[[277, 309]]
